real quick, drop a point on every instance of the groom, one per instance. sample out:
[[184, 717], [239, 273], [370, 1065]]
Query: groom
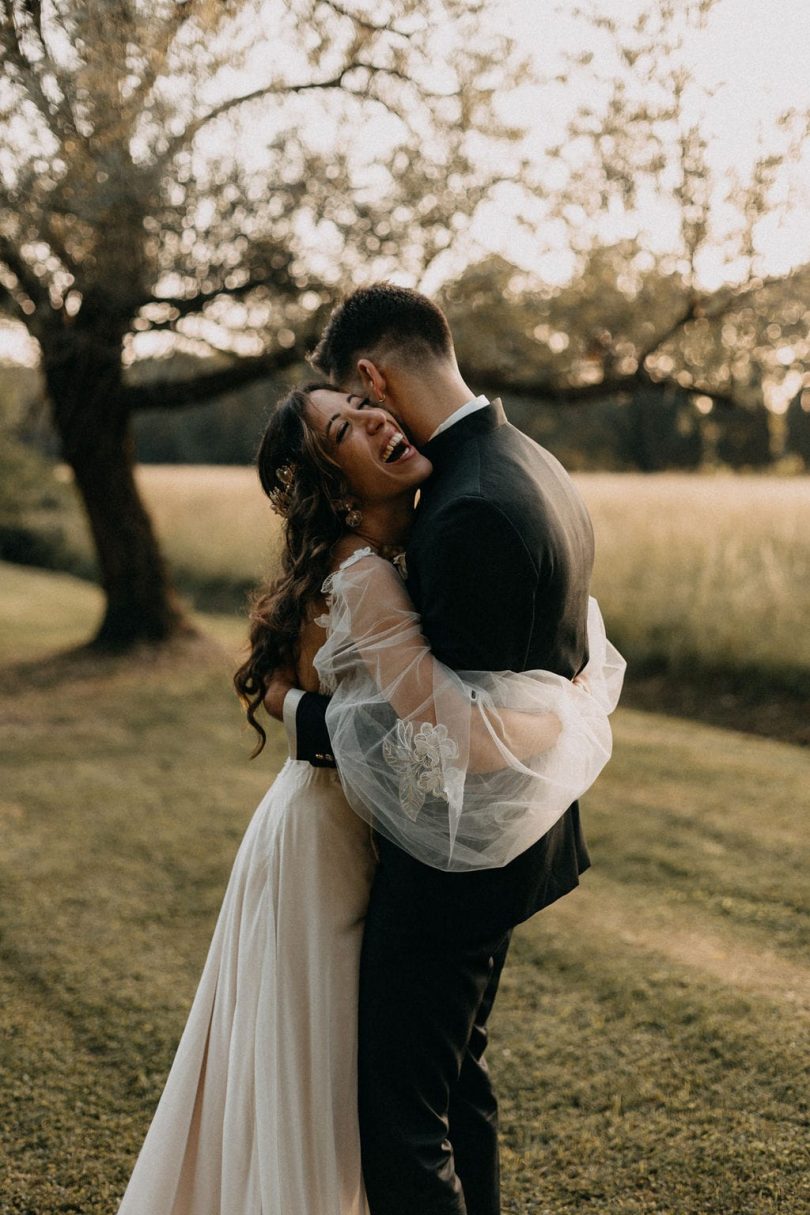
[[499, 564]]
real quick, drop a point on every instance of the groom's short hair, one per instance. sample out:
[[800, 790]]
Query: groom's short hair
[[377, 319]]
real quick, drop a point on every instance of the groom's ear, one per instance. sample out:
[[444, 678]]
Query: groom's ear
[[372, 379]]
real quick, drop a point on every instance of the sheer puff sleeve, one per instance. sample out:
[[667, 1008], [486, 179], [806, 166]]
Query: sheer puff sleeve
[[462, 769]]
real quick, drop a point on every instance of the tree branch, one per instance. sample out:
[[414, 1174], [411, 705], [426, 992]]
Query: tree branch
[[33, 9], [59, 248], [188, 305], [57, 115], [398, 74], [334, 82], [9, 301], [179, 394], [728, 400], [582, 394], [698, 307], [701, 306], [185, 136], [363, 22], [691, 311], [23, 273]]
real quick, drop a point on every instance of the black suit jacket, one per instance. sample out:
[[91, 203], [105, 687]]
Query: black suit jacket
[[499, 567]]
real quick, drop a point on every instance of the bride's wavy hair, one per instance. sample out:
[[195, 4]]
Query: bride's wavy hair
[[312, 524]]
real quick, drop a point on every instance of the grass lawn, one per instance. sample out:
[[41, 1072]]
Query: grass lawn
[[648, 1042]]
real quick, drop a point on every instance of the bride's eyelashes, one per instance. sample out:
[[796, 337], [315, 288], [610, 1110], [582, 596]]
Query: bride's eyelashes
[[363, 403]]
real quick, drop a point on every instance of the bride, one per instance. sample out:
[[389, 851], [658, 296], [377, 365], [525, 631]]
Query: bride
[[464, 770]]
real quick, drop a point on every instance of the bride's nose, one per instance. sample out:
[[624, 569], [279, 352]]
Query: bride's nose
[[374, 419]]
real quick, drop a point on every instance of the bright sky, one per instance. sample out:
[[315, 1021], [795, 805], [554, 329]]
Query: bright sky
[[756, 53], [753, 54]]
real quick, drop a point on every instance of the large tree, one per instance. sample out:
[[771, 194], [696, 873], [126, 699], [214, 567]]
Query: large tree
[[213, 171]]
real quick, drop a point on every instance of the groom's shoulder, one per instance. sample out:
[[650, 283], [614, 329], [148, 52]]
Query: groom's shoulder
[[502, 480], [517, 472], [510, 442], [509, 471]]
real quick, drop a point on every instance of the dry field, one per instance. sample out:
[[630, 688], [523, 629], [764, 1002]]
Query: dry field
[[691, 570], [706, 570]]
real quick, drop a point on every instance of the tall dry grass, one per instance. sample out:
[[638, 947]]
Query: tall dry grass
[[707, 570], [713, 571], [215, 522]]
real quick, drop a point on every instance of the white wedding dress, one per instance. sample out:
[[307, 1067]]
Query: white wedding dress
[[259, 1112]]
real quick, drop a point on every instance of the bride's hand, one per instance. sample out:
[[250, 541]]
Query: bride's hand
[[276, 688]]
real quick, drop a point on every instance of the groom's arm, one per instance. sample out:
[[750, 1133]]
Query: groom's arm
[[303, 714]]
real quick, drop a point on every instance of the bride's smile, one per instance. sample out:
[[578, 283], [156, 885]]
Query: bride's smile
[[368, 444]]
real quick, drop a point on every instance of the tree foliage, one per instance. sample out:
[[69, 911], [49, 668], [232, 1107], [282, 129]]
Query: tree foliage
[[639, 157]]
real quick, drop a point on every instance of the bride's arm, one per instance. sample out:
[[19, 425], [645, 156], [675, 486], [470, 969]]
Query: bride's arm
[[376, 622], [463, 770]]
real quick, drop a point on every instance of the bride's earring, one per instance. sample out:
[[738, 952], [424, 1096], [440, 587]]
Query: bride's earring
[[354, 516]]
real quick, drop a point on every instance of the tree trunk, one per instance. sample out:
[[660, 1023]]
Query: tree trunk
[[85, 386], [141, 603]]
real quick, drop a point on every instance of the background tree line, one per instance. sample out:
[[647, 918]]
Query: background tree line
[[512, 339]]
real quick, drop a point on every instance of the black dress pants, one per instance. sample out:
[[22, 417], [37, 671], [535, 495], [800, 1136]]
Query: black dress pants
[[428, 1113]]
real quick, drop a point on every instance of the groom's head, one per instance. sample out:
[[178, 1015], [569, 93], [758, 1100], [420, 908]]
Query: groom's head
[[388, 343]]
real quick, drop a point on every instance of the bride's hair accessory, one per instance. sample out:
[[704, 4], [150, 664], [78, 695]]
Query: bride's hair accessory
[[280, 496]]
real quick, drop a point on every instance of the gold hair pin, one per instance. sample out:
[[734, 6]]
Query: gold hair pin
[[280, 497]]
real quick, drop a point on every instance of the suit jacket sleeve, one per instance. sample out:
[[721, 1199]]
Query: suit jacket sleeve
[[479, 591], [312, 741]]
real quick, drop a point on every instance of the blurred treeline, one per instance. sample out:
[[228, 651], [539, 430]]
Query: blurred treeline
[[511, 337]]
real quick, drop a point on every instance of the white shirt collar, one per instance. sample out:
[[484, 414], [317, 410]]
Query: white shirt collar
[[462, 411]]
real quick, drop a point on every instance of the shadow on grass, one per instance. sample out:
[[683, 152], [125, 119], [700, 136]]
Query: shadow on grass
[[86, 662], [751, 700]]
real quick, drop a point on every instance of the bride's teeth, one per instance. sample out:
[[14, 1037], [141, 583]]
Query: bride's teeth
[[391, 444]]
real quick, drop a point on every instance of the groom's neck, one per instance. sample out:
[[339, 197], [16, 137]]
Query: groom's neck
[[427, 399]]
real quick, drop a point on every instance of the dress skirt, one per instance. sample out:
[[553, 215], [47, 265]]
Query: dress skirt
[[259, 1112]]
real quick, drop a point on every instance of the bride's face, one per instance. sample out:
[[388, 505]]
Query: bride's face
[[368, 445]]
